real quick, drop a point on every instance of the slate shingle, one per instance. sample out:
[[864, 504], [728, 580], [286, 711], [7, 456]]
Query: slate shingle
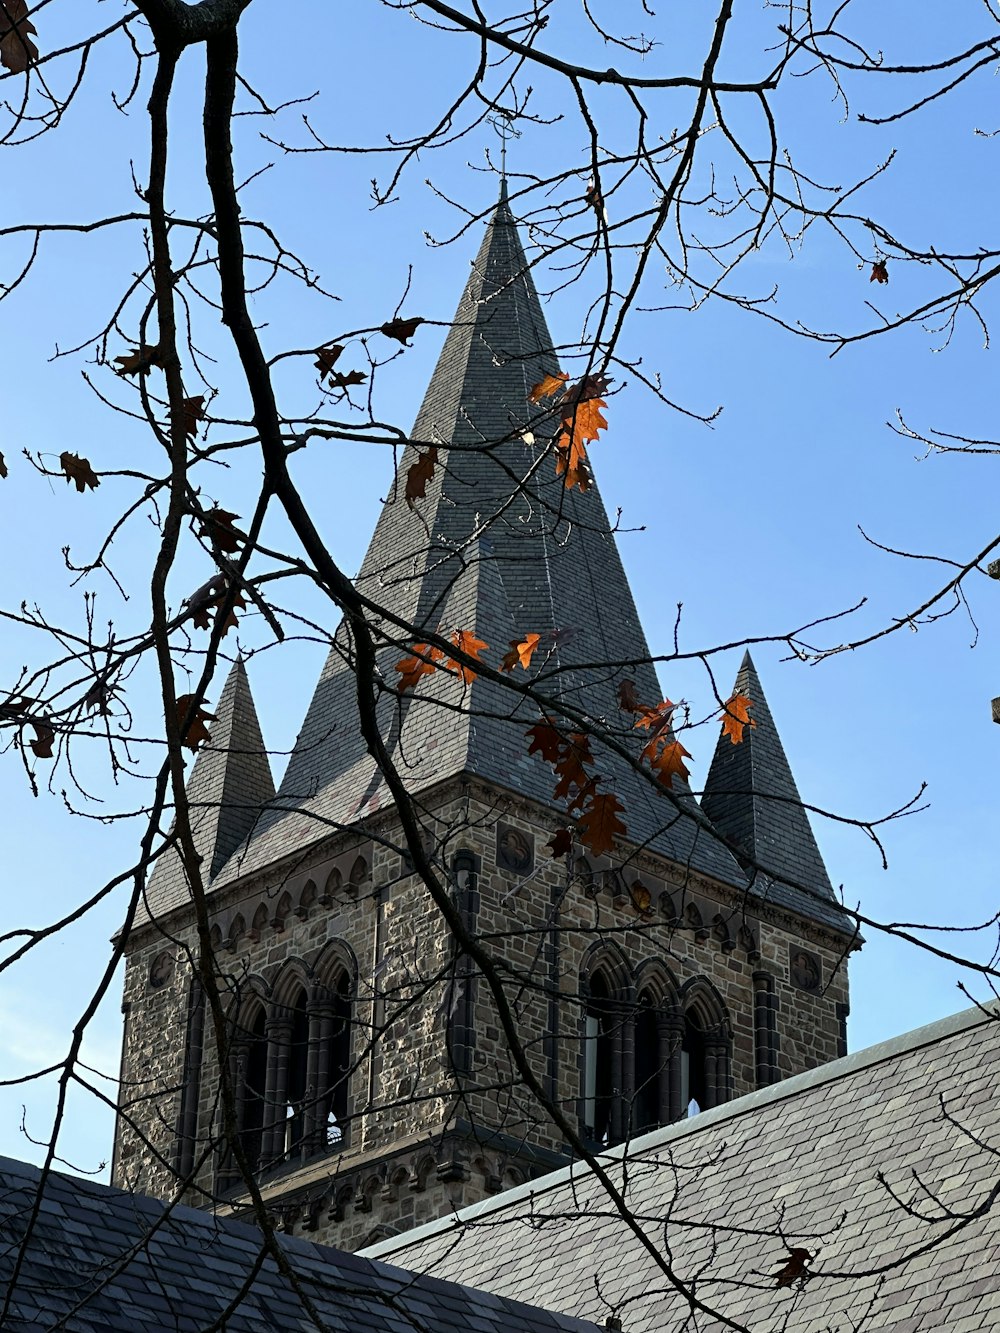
[[751, 798], [135, 1269], [865, 1161]]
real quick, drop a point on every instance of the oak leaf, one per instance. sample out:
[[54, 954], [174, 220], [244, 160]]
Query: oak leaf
[[196, 733], [547, 386], [879, 273], [581, 423], [401, 329], [570, 766], [561, 843], [17, 50], [736, 716], [628, 698], [654, 719], [140, 361], [217, 526], [99, 697], [3, 466], [666, 759], [43, 741], [194, 410], [202, 613], [599, 825], [545, 740], [423, 662], [418, 474], [794, 1267], [326, 358], [78, 470], [338, 381], [466, 642], [520, 652]]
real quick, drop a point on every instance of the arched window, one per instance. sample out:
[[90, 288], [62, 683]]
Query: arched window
[[600, 1057], [706, 1049], [299, 1092], [251, 1085], [332, 1013], [292, 1063], [657, 1023]]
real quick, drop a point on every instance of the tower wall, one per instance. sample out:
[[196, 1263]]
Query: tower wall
[[437, 1113]]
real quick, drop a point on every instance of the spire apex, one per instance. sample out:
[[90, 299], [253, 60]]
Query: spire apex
[[751, 797]]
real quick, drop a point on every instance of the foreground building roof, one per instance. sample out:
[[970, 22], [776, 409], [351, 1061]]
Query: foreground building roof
[[101, 1259], [883, 1165]]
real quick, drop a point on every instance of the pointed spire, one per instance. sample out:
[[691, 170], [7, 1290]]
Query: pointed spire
[[751, 798], [499, 547], [229, 785]]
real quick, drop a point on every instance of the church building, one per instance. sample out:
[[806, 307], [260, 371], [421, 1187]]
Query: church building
[[704, 956]]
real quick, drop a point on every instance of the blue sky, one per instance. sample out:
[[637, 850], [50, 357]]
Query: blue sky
[[752, 523]]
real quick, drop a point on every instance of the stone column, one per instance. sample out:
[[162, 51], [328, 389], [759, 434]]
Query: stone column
[[279, 1038], [669, 1033], [318, 1076]]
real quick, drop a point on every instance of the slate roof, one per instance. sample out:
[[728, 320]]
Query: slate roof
[[103, 1259], [751, 798], [229, 784], [884, 1165]]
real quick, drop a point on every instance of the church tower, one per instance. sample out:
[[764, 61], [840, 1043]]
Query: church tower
[[703, 956]]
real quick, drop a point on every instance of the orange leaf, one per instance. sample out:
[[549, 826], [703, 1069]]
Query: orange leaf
[[466, 642], [78, 469], [546, 387], [197, 732], [736, 716], [545, 740], [422, 663], [599, 825], [521, 651], [17, 50], [561, 842], [666, 758], [401, 329], [418, 474], [879, 272], [582, 422], [655, 720]]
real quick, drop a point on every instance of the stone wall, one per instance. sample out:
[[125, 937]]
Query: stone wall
[[438, 1113]]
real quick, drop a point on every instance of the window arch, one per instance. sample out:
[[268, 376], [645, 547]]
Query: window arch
[[250, 1070], [607, 1056], [292, 1061], [706, 1048], [650, 1053], [657, 1044]]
